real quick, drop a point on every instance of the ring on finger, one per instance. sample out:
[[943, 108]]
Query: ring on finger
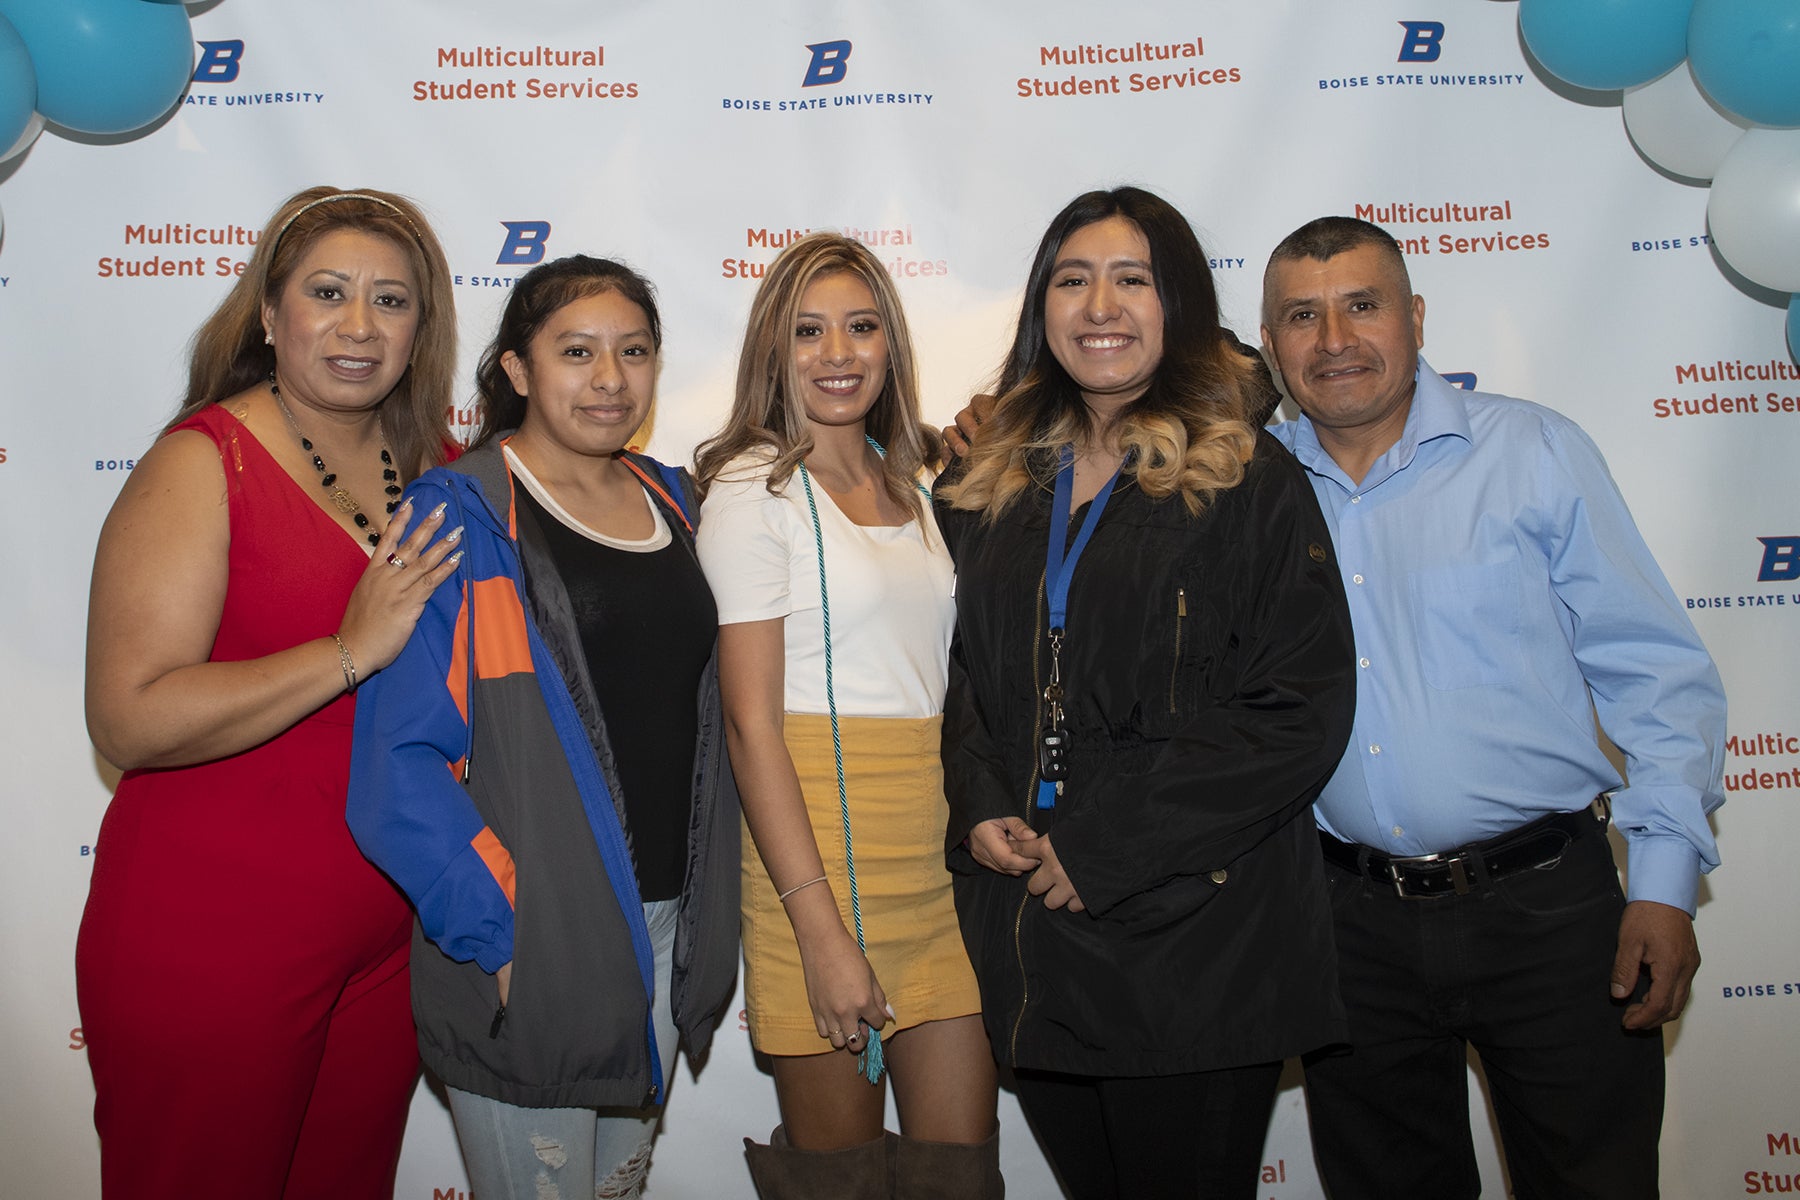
[[394, 560]]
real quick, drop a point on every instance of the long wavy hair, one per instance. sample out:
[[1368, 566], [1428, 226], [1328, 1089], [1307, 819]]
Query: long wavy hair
[[1189, 434], [534, 299], [229, 354], [768, 410]]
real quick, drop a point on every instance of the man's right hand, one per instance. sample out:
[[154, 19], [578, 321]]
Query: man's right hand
[[960, 436]]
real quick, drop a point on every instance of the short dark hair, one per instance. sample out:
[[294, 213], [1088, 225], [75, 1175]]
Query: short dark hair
[[1327, 237], [1324, 238], [535, 298]]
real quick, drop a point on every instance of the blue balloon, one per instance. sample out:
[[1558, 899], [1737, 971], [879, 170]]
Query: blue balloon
[[105, 66], [1606, 44], [1746, 54], [1794, 326], [18, 85]]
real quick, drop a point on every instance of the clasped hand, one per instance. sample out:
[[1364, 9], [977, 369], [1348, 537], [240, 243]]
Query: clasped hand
[[1010, 846]]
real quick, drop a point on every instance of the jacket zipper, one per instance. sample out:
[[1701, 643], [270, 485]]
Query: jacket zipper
[[1037, 692], [1180, 620]]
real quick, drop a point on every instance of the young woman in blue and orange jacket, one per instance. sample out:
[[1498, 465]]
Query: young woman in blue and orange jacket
[[543, 770]]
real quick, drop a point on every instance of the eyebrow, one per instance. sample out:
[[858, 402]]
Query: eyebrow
[[855, 312], [1293, 302], [1064, 264], [567, 334], [344, 277]]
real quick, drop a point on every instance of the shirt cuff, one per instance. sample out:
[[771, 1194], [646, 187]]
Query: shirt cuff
[[1663, 869]]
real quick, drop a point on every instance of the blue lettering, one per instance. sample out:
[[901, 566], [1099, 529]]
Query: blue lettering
[[219, 61], [1423, 42], [1781, 560], [828, 63], [525, 243]]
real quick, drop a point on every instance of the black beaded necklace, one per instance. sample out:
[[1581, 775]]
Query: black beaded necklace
[[343, 500]]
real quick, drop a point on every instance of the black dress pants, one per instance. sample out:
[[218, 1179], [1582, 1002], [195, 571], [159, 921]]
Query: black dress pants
[[1520, 969], [1197, 1136]]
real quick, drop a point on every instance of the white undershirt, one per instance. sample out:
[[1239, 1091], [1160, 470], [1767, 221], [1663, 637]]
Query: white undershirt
[[656, 541]]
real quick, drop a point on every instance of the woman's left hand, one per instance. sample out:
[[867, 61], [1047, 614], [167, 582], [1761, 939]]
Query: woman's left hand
[[1049, 880]]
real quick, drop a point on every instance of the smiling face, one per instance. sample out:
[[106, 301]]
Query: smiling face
[[588, 376], [343, 323], [1103, 319], [1346, 333], [840, 350]]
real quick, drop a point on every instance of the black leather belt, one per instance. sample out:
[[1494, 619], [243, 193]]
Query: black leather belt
[[1457, 872]]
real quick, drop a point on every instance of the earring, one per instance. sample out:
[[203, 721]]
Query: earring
[[268, 338]]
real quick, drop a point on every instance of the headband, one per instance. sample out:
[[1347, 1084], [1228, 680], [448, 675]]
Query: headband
[[335, 196]]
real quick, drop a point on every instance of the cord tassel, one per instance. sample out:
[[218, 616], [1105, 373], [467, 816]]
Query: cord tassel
[[869, 1063]]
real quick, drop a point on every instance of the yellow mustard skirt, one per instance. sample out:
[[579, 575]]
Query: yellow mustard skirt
[[895, 783]]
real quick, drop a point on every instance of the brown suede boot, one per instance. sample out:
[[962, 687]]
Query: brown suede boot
[[947, 1171], [781, 1172]]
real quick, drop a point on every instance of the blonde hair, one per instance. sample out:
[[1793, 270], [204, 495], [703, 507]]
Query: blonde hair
[[768, 411], [1189, 434], [229, 353]]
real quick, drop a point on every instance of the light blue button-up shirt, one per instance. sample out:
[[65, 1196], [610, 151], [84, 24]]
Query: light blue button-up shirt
[[1497, 582]]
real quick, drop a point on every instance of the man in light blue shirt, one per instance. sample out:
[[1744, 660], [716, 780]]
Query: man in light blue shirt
[[1500, 595]]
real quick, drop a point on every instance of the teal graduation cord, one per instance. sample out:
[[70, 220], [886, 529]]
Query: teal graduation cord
[[871, 1061]]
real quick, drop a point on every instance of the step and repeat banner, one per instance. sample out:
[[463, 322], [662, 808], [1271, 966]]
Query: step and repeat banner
[[695, 140]]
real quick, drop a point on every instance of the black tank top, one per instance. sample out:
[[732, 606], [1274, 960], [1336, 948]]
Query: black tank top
[[647, 623]]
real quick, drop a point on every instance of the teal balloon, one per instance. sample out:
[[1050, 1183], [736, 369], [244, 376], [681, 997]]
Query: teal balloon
[[1606, 45], [18, 85], [1794, 326], [1746, 54], [105, 66]]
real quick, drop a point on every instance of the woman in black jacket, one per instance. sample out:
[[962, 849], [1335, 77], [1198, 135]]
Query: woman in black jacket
[[1131, 747]]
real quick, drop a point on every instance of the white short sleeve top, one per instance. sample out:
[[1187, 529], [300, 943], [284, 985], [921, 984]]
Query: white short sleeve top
[[891, 589]]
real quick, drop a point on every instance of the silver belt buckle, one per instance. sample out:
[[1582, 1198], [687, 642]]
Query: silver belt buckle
[[1459, 873]]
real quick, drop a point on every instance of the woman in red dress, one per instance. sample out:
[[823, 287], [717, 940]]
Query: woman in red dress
[[241, 969]]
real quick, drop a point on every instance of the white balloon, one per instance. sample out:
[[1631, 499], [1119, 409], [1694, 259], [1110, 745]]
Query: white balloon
[[1754, 208], [1678, 127], [33, 127]]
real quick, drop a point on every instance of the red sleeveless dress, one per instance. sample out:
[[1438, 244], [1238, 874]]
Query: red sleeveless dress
[[241, 969]]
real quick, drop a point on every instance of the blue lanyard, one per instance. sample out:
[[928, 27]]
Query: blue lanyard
[[1059, 568]]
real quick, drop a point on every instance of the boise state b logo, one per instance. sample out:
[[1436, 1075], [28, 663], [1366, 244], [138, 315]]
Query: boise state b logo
[[219, 61], [1423, 42], [525, 243], [1781, 560], [828, 63]]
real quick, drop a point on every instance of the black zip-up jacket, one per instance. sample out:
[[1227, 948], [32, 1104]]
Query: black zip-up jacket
[[1210, 674]]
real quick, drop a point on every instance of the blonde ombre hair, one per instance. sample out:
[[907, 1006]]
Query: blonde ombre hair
[[1189, 434], [769, 412]]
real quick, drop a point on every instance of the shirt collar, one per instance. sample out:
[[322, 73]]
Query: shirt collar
[[1437, 412]]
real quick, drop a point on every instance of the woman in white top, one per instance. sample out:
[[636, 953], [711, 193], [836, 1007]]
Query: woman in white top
[[835, 606]]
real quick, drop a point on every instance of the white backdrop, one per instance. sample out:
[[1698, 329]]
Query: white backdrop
[[688, 145]]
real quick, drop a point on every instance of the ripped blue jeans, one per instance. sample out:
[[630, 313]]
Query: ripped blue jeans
[[515, 1153]]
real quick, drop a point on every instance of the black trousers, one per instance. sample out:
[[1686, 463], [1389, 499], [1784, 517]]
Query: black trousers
[[1197, 1136], [1520, 969]]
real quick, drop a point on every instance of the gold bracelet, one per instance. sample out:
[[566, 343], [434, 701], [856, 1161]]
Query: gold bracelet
[[346, 664], [782, 896]]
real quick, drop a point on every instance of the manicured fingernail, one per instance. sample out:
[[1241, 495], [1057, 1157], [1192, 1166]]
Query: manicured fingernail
[[439, 510], [456, 558], [454, 534]]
